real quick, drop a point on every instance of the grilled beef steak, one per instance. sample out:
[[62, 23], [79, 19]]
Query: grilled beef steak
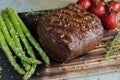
[[69, 32]]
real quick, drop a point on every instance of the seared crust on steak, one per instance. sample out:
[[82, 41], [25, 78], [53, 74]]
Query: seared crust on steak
[[69, 32]]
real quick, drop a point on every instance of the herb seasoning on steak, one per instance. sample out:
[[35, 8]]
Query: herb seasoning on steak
[[69, 32]]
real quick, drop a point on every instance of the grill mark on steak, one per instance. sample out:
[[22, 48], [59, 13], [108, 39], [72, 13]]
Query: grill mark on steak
[[69, 22], [64, 21]]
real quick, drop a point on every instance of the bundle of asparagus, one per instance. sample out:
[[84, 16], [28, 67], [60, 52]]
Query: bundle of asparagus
[[12, 31]]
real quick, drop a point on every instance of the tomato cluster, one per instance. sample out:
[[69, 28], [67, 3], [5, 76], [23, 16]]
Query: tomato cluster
[[106, 11]]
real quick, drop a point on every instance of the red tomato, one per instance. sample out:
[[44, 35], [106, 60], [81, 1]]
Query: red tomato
[[114, 4], [110, 20], [85, 4], [98, 9]]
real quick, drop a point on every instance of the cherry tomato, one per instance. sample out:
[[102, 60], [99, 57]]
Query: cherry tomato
[[110, 20], [85, 4], [114, 4], [98, 9]]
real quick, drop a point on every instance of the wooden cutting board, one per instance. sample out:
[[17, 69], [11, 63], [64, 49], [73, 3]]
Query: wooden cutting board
[[91, 63]]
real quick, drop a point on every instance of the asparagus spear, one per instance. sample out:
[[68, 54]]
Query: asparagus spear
[[10, 28], [20, 31], [26, 65], [31, 38], [17, 26], [14, 36], [29, 73], [34, 42], [9, 55], [13, 46]]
